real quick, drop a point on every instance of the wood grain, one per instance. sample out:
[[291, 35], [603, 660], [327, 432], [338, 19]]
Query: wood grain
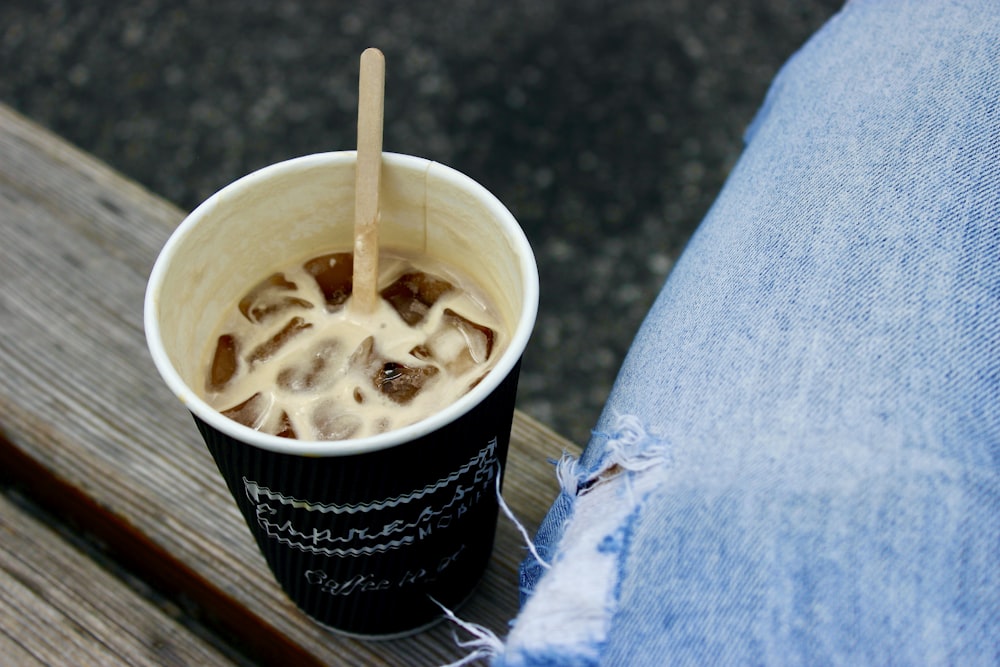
[[60, 607], [88, 428]]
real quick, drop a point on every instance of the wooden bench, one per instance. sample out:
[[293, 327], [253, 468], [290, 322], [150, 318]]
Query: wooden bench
[[120, 543]]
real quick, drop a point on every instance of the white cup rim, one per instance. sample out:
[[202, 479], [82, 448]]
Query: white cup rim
[[202, 410]]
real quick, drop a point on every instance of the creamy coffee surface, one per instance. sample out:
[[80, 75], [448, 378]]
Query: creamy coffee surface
[[291, 358]]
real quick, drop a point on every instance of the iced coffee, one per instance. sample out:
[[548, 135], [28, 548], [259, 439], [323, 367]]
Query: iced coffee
[[292, 358]]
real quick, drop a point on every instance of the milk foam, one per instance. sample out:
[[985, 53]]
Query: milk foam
[[335, 337]]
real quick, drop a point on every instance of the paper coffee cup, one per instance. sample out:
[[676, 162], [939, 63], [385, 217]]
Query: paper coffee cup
[[364, 535]]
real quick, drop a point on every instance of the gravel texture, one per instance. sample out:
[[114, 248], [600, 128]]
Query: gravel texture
[[606, 127]]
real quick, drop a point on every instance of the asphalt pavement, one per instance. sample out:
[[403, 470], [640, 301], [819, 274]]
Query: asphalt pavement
[[606, 127]]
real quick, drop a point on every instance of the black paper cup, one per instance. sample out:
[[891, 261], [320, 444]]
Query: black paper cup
[[366, 536]]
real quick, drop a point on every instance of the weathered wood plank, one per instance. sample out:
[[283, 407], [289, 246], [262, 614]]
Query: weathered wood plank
[[86, 423], [59, 607]]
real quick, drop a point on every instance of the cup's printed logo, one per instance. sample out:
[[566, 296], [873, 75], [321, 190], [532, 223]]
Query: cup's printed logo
[[364, 582], [380, 525]]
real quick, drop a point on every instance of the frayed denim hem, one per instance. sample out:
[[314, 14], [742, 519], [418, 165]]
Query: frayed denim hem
[[567, 615]]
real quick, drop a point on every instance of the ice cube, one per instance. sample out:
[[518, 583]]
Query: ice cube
[[474, 383], [459, 343], [224, 363], [250, 412], [364, 355], [285, 429], [394, 380], [413, 294], [319, 372], [402, 383], [270, 347], [334, 275], [422, 352], [268, 299], [331, 422]]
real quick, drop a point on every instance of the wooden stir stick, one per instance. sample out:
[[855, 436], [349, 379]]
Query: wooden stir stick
[[371, 93]]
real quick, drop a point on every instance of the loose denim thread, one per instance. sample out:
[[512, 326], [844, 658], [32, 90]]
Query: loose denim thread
[[568, 474], [629, 449], [486, 644], [520, 527], [606, 498]]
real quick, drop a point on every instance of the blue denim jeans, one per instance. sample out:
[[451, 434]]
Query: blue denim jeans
[[800, 460]]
